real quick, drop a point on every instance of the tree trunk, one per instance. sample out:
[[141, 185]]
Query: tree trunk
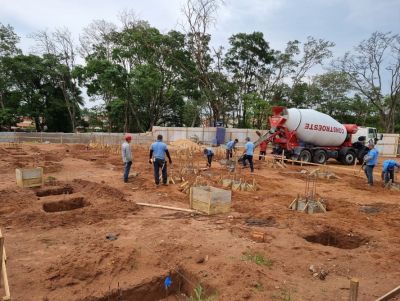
[[126, 117], [37, 124], [1, 101]]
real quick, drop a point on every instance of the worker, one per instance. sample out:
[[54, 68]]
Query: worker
[[208, 152], [230, 146], [248, 153], [388, 170], [158, 150], [370, 161], [126, 156], [263, 150]]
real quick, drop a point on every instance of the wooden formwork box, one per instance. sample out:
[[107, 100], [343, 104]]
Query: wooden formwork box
[[29, 177], [210, 200]]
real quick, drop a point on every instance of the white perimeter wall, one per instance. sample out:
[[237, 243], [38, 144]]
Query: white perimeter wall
[[389, 145]]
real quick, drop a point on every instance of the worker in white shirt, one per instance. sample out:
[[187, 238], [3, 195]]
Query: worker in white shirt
[[127, 156]]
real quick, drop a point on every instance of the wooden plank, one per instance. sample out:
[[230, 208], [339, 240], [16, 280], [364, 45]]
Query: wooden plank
[[354, 289], [1, 254], [5, 281], [166, 207], [393, 293]]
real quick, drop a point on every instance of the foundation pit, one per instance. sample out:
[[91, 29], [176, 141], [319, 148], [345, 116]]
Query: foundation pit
[[337, 239], [65, 205]]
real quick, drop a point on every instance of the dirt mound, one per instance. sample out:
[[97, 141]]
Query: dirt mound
[[184, 143], [85, 264], [24, 209]]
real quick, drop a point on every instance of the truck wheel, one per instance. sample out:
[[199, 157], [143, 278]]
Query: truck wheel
[[349, 157], [305, 156], [320, 156]]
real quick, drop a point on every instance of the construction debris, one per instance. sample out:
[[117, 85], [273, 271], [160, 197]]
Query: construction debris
[[240, 185], [392, 186]]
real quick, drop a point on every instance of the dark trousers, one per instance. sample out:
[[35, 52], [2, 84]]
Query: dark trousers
[[127, 168], [369, 172], [209, 159], [159, 163], [262, 155], [388, 175], [228, 154], [250, 159]]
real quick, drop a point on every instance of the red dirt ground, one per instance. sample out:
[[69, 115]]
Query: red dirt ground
[[64, 255]]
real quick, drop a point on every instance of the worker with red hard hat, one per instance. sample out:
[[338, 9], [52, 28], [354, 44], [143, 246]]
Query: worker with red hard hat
[[127, 156]]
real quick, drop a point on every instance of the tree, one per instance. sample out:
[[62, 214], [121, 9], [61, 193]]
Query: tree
[[333, 90], [285, 80], [248, 58], [59, 44], [374, 72], [34, 84], [8, 48], [8, 41], [200, 16]]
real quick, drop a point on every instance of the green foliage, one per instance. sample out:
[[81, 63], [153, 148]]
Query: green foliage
[[258, 259], [144, 78], [198, 295]]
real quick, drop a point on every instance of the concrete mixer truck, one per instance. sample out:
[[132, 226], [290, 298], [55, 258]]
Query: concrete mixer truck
[[311, 136]]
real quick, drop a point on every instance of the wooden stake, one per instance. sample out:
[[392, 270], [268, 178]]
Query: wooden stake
[[1, 253], [354, 289], [3, 269], [166, 207], [5, 280], [390, 295]]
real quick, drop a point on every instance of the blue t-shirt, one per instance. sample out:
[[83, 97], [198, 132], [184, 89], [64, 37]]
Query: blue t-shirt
[[249, 146], [209, 152], [230, 145], [159, 149], [373, 157], [390, 165]]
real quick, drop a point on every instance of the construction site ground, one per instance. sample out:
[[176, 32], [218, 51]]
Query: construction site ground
[[108, 248]]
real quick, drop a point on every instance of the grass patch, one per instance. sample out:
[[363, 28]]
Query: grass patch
[[259, 287], [198, 295], [284, 295], [258, 259]]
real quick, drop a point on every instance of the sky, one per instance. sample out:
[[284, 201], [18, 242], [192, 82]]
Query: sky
[[344, 22]]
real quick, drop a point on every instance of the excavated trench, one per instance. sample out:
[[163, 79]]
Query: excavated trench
[[153, 290], [337, 239], [65, 205], [55, 191]]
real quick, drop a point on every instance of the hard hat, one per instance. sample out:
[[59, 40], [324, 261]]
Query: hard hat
[[128, 137]]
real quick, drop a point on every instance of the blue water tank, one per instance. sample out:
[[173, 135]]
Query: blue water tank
[[220, 135]]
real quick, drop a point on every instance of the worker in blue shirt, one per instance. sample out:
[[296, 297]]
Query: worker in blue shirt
[[158, 150], [248, 153], [230, 146], [388, 170], [370, 161], [209, 154]]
